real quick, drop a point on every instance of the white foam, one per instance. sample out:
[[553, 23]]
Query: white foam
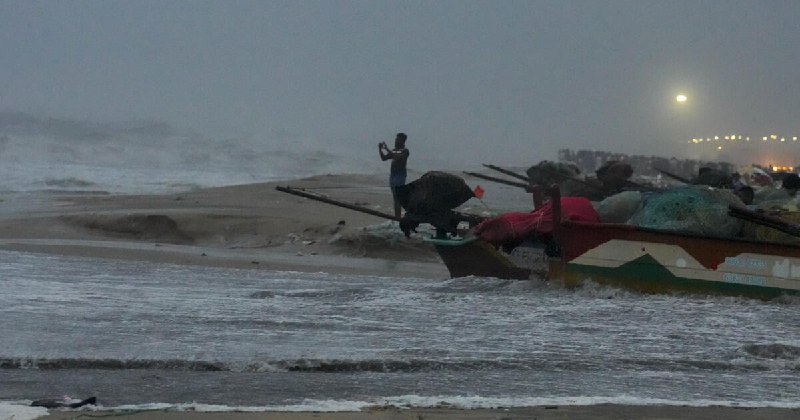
[[473, 402], [453, 401], [20, 412], [328, 406]]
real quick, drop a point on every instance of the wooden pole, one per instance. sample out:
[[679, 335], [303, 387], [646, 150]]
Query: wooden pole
[[498, 180], [555, 205], [317, 197], [507, 172], [472, 219], [538, 196]]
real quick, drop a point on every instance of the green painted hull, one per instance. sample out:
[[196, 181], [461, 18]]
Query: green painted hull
[[646, 275], [668, 262], [645, 260]]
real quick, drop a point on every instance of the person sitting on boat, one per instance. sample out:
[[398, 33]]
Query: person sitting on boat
[[745, 193], [397, 173], [432, 199], [713, 178], [791, 183]]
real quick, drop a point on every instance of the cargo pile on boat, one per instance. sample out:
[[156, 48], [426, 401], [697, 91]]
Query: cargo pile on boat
[[699, 206]]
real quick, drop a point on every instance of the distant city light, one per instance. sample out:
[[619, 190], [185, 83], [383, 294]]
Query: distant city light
[[736, 137], [776, 148], [681, 98]]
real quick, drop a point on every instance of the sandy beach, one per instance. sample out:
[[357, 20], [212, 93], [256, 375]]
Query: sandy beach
[[256, 227], [245, 226]]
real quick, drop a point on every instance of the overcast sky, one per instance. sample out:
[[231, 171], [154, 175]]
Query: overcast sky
[[499, 81]]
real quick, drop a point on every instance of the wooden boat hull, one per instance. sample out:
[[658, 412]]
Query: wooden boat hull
[[475, 257], [667, 262], [645, 260]]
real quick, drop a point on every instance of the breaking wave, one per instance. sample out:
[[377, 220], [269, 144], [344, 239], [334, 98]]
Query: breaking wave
[[387, 365], [152, 156]]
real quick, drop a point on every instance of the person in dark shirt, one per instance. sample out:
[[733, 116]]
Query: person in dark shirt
[[791, 183], [397, 174]]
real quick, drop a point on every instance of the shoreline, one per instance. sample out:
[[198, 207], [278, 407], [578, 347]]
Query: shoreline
[[546, 412], [224, 258]]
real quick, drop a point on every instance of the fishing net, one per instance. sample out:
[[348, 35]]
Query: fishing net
[[690, 209], [619, 208], [547, 173], [589, 188], [769, 194], [614, 174], [763, 233]]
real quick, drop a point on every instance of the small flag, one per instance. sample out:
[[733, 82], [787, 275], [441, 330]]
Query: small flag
[[478, 191]]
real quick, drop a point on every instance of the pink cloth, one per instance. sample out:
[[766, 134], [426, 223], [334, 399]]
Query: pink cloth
[[513, 228]]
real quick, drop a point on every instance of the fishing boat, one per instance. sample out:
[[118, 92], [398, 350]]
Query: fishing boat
[[642, 259], [622, 255]]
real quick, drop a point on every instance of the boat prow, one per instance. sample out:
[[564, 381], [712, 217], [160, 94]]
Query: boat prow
[[475, 257]]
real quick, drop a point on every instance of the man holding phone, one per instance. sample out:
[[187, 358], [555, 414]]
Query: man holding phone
[[397, 174]]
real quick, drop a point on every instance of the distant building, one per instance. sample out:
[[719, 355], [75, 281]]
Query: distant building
[[589, 160]]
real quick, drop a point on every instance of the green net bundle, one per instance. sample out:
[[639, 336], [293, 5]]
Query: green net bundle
[[691, 209]]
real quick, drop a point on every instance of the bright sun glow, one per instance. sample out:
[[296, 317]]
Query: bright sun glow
[[681, 98]]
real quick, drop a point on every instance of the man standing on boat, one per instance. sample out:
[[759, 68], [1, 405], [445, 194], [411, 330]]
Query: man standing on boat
[[397, 174]]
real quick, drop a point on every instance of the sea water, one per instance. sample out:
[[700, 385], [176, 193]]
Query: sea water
[[149, 335], [145, 335]]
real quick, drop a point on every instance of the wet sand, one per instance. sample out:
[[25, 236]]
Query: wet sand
[[589, 412]]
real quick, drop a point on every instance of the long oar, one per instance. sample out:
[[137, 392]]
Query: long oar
[[472, 219], [498, 180], [303, 193], [507, 172]]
